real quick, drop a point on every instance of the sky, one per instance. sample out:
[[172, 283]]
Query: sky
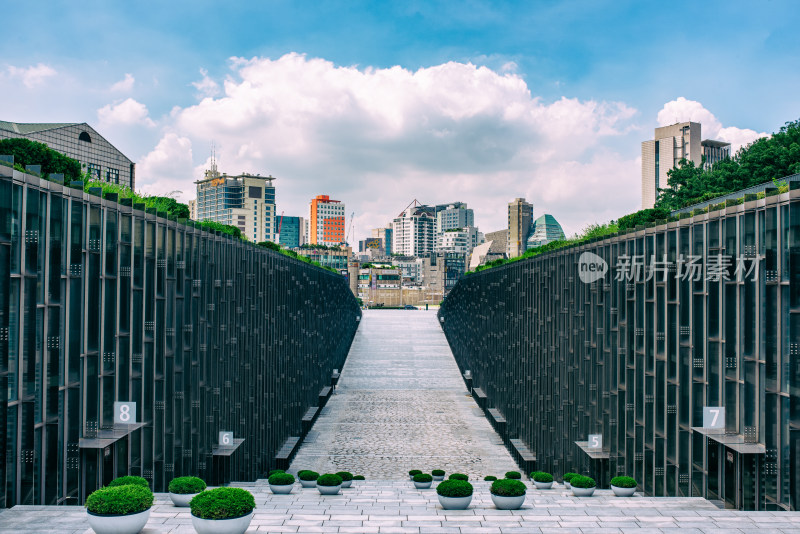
[[379, 103]]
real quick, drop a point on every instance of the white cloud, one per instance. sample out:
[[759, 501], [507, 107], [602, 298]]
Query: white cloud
[[168, 168], [682, 110], [32, 76], [206, 87], [127, 112], [124, 85], [378, 138]]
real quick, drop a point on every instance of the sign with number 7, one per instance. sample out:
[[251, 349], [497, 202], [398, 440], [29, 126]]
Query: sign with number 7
[[714, 417]]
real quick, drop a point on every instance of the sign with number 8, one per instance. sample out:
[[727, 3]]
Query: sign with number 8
[[124, 413]]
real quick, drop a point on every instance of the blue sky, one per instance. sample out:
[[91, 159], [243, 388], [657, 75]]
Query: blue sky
[[359, 137]]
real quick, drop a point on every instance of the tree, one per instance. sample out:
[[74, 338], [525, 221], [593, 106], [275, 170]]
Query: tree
[[27, 152]]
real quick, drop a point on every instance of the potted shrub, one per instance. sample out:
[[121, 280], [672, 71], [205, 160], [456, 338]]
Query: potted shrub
[[438, 474], [273, 471], [183, 489], [413, 472], [508, 494], [347, 478], [490, 478], [542, 480], [119, 509], [567, 477], [454, 494], [358, 477], [308, 479], [513, 475], [329, 484], [582, 486], [128, 480], [458, 476], [623, 486], [423, 480], [281, 483], [222, 511]]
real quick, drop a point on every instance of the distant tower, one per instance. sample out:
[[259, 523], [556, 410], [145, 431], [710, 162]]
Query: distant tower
[[520, 218]]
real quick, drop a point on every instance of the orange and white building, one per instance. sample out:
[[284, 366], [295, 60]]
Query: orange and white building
[[326, 221]]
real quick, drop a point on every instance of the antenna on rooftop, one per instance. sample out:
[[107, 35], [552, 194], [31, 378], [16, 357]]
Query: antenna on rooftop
[[213, 158]]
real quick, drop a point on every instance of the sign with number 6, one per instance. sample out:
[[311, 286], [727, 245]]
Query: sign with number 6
[[595, 441], [225, 439], [124, 413]]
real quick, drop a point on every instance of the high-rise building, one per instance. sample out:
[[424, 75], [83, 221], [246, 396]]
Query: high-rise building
[[326, 221], [78, 141], [413, 231], [459, 240], [193, 209], [292, 231], [670, 145], [385, 235], [246, 201], [455, 215], [520, 217], [545, 230]]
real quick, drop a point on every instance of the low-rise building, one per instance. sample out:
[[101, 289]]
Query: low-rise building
[[459, 240], [335, 258], [545, 230]]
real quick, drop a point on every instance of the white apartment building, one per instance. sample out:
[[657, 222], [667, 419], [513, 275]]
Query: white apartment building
[[460, 240], [413, 231], [455, 215]]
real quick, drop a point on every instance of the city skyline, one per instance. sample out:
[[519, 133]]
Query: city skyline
[[380, 104]]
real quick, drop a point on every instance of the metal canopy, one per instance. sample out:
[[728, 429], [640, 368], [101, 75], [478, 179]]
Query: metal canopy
[[227, 451], [105, 438], [734, 442], [594, 454]]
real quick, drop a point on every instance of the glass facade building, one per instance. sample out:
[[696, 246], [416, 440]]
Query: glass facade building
[[638, 352], [291, 229], [104, 302]]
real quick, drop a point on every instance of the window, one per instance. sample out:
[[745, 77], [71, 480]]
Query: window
[[84, 136], [93, 170]]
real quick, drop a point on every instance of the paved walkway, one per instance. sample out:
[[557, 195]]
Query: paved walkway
[[386, 507], [401, 404]]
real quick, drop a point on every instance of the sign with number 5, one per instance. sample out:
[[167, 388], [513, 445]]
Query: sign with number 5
[[595, 441], [124, 413]]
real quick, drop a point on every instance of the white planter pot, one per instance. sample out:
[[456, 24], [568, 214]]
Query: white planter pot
[[422, 485], [308, 483], [438, 478], [329, 490], [583, 492], [237, 525], [411, 478], [566, 484], [543, 485], [181, 499], [455, 503], [508, 503], [346, 483], [283, 489], [118, 524], [623, 492]]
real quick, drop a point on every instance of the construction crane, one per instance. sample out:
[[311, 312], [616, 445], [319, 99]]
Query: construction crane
[[350, 231]]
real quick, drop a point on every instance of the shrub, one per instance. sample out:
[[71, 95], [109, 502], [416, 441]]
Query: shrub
[[281, 479], [358, 477], [127, 481], [414, 472], [120, 500], [489, 478], [186, 485], [454, 488], [423, 477], [222, 503], [580, 481], [305, 474], [458, 476], [541, 476], [345, 475], [568, 476], [514, 475], [623, 482], [508, 487], [329, 479], [273, 471], [437, 472]]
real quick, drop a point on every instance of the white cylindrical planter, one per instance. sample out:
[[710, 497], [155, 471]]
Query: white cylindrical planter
[[308, 483], [566, 484], [346, 483], [508, 503], [118, 524], [283, 489], [438, 478], [422, 485], [623, 492], [583, 492], [329, 490], [237, 525], [181, 499], [543, 485], [455, 503]]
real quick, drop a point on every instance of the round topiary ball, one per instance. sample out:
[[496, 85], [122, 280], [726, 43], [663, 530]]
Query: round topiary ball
[[508, 487], [423, 477], [125, 499], [281, 479], [186, 485], [329, 479], [222, 503], [489, 478], [514, 475], [438, 472], [458, 476], [345, 475], [623, 482], [541, 476], [454, 488], [305, 474], [128, 480]]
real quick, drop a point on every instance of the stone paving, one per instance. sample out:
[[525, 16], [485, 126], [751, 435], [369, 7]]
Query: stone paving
[[401, 404]]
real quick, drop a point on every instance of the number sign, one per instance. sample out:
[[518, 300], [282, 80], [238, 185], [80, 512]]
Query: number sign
[[595, 441], [124, 413], [714, 417], [225, 439]]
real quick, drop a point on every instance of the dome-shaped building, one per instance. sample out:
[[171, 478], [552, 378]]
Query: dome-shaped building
[[544, 230]]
